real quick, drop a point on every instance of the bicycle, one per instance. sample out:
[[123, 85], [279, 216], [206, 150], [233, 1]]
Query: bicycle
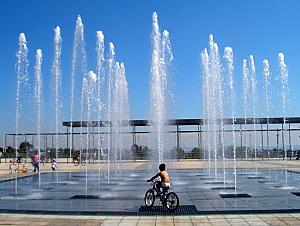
[[168, 199], [77, 161]]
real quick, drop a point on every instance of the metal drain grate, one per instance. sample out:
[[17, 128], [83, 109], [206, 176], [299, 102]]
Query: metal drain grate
[[255, 177], [223, 188], [160, 210], [296, 193], [84, 197], [237, 195]]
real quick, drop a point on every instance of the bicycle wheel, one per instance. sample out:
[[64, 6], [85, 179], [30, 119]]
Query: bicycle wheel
[[23, 161], [172, 201], [83, 162], [76, 162], [149, 198]]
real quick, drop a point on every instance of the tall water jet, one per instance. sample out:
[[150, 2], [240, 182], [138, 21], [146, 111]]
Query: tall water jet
[[89, 99], [100, 87], [245, 103], [120, 116], [216, 103], [56, 85], [38, 101], [22, 80], [79, 67], [228, 55], [253, 93], [266, 72], [111, 71], [161, 58], [284, 97], [206, 108]]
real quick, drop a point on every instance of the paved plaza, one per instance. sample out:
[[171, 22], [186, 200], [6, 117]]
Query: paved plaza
[[218, 220], [125, 191]]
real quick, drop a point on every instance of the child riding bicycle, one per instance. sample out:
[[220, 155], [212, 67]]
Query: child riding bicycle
[[164, 182]]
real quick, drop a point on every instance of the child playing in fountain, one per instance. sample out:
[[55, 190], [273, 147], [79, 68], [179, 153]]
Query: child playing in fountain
[[53, 164], [164, 182], [11, 166]]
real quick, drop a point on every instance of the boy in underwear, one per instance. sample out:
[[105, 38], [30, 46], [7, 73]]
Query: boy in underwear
[[164, 182]]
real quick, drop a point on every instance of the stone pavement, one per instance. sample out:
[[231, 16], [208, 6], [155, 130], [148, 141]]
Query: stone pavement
[[68, 220]]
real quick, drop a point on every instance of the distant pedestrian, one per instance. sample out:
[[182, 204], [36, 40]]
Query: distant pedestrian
[[0, 156], [36, 162], [11, 166], [53, 164]]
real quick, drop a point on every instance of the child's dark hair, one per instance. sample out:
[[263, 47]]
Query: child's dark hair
[[162, 167]]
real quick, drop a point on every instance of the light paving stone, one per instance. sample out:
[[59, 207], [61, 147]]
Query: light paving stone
[[178, 220], [275, 222], [147, 218], [128, 222], [235, 220], [183, 224], [108, 221], [165, 218], [258, 223], [146, 222], [221, 224], [182, 217], [202, 224], [218, 220], [164, 224], [215, 216], [292, 222], [109, 224], [233, 216], [240, 224]]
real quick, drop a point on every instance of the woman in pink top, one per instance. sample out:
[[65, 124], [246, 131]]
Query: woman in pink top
[[36, 162]]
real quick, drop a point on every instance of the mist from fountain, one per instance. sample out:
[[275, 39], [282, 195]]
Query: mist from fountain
[[56, 85], [38, 101]]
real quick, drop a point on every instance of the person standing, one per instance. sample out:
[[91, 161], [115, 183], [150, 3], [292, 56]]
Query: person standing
[[36, 162], [0, 156]]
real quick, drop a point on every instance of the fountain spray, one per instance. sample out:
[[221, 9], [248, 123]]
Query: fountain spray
[[245, 103], [22, 80], [284, 94], [228, 55], [100, 81], [79, 66], [266, 72], [56, 84], [253, 85], [38, 101]]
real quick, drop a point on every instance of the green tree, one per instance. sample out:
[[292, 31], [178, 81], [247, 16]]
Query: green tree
[[24, 147], [179, 153], [197, 153]]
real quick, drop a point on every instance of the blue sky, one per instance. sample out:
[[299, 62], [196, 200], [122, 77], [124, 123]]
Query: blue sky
[[259, 27]]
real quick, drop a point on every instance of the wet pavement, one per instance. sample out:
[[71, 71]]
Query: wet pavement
[[123, 192]]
